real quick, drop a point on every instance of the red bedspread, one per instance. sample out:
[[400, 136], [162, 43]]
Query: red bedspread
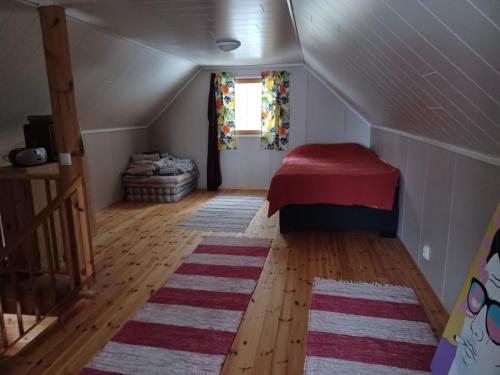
[[345, 174]]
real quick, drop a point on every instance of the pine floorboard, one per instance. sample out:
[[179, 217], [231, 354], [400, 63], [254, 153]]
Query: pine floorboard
[[138, 247]]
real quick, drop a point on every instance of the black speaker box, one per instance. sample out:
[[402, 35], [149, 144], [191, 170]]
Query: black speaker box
[[41, 134]]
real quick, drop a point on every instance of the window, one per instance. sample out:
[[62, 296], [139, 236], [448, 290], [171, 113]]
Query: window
[[248, 97]]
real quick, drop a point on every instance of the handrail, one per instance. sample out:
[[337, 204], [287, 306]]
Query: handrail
[[24, 176], [41, 217]]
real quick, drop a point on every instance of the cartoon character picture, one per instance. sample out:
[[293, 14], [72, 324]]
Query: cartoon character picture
[[478, 345], [470, 344]]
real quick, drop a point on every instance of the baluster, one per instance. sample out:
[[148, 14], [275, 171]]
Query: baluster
[[52, 226], [31, 268], [87, 264], [55, 241], [15, 288], [50, 261], [78, 235], [65, 225], [2, 235], [3, 328]]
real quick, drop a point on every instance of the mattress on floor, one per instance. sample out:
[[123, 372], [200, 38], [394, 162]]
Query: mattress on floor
[[159, 188]]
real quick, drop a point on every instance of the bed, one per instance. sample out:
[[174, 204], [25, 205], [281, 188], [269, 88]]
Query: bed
[[335, 187], [155, 177], [167, 189]]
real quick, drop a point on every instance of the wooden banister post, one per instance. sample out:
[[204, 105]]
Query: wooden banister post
[[64, 113], [61, 87]]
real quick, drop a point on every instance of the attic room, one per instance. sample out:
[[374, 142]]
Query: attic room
[[250, 187]]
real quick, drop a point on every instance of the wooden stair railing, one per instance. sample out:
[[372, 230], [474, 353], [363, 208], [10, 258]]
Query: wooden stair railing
[[52, 273], [32, 269]]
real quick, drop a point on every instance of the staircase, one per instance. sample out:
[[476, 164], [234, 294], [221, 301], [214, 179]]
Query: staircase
[[41, 299], [45, 256]]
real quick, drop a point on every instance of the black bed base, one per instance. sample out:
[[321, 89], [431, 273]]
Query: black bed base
[[298, 217]]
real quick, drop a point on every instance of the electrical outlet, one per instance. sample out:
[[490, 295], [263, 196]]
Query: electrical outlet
[[426, 252]]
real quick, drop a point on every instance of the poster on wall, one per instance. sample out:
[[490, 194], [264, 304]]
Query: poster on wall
[[471, 341]]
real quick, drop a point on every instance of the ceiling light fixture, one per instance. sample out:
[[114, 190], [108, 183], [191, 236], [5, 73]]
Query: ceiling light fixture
[[228, 45]]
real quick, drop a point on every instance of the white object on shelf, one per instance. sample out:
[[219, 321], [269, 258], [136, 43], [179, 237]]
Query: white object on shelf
[[65, 158]]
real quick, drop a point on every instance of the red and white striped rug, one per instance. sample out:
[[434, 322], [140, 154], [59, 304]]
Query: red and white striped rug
[[359, 328], [188, 325]]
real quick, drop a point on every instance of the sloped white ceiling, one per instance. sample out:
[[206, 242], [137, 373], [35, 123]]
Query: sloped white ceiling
[[118, 83], [426, 67], [189, 28]]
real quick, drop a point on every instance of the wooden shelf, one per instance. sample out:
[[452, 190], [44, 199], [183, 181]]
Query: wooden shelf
[[45, 171]]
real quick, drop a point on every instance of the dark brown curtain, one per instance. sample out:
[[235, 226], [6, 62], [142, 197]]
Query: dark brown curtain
[[214, 178]]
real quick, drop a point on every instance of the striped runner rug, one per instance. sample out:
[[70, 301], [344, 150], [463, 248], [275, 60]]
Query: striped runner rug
[[188, 325], [359, 328], [225, 213]]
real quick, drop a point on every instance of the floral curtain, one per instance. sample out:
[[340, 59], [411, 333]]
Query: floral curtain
[[275, 110], [224, 100]]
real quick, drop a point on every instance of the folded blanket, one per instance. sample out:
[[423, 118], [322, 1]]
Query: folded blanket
[[166, 155], [145, 157], [142, 168], [153, 165], [168, 171], [182, 165]]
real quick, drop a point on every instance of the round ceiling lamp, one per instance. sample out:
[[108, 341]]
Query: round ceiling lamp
[[228, 45]]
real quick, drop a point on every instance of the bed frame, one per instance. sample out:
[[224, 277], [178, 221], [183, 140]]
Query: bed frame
[[298, 217]]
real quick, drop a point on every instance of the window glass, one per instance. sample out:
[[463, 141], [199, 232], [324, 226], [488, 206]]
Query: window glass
[[248, 106]]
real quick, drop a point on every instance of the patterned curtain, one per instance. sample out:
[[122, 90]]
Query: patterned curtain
[[224, 100], [275, 110]]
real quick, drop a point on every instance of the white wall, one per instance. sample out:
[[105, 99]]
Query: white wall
[[447, 200], [108, 154], [118, 84], [316, 116]]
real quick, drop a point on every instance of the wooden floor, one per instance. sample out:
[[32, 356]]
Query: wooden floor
[[138, 247]]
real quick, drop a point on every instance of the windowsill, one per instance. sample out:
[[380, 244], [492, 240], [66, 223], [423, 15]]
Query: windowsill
[[248, 133]]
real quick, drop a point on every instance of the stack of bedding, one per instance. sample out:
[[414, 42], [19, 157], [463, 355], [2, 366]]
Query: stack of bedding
[[159, 177]]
